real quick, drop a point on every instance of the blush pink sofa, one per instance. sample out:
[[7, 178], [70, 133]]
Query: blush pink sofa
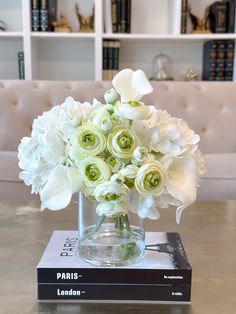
[[208, 107]]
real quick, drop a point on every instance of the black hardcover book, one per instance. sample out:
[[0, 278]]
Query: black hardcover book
[[123, 16], [21, 65], [114, 16], [165, 263], [44, 22], [135, 293], [35, 15], [209, 64], [218, 17], [115, 57], [230, 16], [105, 60], [229, 60], [128, 16], [52, 14], [118, 12], [184, 16]]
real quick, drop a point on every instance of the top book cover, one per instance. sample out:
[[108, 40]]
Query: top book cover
[[164, 262]]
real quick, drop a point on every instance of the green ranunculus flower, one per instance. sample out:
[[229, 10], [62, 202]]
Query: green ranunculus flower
[[150, 179], [122, 141], [94, 171], [90, 140]]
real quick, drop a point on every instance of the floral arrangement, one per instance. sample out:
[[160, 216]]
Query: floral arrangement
[[113, 151]]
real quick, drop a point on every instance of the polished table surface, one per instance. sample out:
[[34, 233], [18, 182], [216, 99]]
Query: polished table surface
[[208, 231]]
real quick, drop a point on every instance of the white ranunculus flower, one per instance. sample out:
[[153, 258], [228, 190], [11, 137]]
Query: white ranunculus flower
[[90, 141], [109, 209], [101, 119], [150, 179], [122, 141], [62, 183], [143, 206], [94, 171], [111, 191], [181, 182], [111, 96], [129, 171]]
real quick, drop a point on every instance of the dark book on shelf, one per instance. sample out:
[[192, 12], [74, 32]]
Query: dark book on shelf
[[184, 16], [21, 65], [230, 15], [218, 17], [52, 14], [35, 15], [110, 58], [114, 12], [123, 17], [209, 61], [44, 15], [128, 16], [229, 60]]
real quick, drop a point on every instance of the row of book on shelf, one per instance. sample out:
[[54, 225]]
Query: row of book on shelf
[[43, 14], [219, 16], [163, 275]]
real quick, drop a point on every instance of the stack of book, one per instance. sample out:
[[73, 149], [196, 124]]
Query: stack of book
[[218, 60], [121, 16], [43, 14], [111, 50], [163, 275]]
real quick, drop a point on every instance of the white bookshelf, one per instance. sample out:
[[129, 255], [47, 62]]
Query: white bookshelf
[[155, 27]]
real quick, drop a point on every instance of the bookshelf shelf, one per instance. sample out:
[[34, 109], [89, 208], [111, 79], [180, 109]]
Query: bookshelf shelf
[[155, 28]]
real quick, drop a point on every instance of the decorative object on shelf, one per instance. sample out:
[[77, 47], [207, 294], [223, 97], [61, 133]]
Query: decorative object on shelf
[[86, 23], [200, 25], [191, 75], [2, 26], [62, 25], [125, 157], [161, 68]]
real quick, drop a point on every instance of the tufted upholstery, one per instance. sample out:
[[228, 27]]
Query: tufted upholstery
[[208, 107]]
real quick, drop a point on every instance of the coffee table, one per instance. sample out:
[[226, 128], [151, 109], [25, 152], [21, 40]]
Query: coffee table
[[208, 231]]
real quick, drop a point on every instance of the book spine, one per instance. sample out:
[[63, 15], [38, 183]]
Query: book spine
[[21, 65], [119, 5], [218, 17], [123, 16], [111, 276], [35, 15], [44, 26], [116, 51], [115, 292], [220, 67], [229, 60], [110, 59], [52, 14], [209, 61], [128, 16], [231, 16], [184, 16], [105, 60], [114, 16]]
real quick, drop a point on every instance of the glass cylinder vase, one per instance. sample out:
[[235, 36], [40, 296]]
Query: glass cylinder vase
[[109, 241]]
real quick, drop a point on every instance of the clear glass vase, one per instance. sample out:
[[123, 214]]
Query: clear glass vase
[[109, 241]]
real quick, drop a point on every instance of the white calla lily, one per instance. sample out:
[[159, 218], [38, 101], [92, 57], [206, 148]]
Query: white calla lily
[[131, 85], [181, 182], [62, 183]]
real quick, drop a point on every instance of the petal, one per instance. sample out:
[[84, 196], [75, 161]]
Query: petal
[[131, 85], [181, 182], [57, 192]]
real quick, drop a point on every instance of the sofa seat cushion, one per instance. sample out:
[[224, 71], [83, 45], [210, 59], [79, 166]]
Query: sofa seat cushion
[[219, 181]]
